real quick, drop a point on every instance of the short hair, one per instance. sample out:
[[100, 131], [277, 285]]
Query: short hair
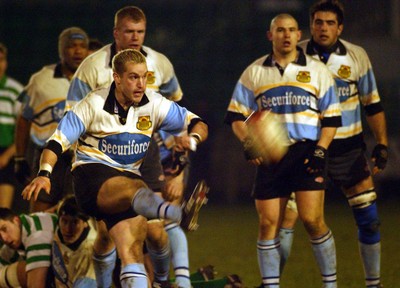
[[125, 56], [7, 214], [68, 206], [3, 49], [282, 16], [132, 12], [333, 6]]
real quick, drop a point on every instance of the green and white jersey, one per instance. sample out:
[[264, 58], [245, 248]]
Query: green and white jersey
[[9, 108], [37, 238]]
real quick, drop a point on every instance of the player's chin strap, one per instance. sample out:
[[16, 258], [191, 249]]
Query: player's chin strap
[[362, 200], [9, 276]]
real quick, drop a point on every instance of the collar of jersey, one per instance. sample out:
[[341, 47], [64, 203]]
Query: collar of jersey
[[301, 60], [313, 48]]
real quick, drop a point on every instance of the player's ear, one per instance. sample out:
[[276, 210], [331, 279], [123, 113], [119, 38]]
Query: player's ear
[[299, 34], [269, 35], [340, 29]]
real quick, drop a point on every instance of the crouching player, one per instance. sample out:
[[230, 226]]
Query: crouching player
[[73, 247]]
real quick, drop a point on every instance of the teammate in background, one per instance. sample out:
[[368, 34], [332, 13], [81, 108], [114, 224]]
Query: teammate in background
[[347, 163], [94, 45], [25, 255], [106, 123], [43, 106], [300, 92], [9, 109], [73, 247], [129, 32]]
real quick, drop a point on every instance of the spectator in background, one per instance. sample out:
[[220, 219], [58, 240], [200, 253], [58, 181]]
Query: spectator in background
[[9, 109], [43, 106]]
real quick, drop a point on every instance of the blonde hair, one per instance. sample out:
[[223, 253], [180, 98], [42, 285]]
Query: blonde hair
[[125, 56]]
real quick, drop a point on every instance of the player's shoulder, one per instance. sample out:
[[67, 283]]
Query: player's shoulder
[[45, 72], [354, 49], [100, 58], [303, 44], [153, 54]]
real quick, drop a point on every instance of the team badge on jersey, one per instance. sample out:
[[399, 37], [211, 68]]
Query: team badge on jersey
[[303, 76], [143, 123], [344, 71], [151, 78]]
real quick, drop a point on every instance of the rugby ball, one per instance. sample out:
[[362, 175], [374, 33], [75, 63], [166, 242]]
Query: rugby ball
[[268, 135]]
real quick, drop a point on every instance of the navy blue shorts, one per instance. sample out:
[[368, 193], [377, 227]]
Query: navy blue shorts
[[349, 168], [88, 179], [287, 176], [151, 169]]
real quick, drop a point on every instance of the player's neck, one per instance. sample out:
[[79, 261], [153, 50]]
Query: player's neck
[[285, 59]]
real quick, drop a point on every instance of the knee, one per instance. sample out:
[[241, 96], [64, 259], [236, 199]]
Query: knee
[[315, 226]]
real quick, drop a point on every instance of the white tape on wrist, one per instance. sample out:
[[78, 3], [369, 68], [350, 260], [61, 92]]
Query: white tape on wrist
[[193, 144], [46, 166]]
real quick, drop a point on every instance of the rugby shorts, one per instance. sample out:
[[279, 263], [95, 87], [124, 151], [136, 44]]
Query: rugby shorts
[[151, 169], [287, 176]]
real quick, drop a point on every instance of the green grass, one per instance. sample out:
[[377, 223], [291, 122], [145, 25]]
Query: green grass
[[227, 237]]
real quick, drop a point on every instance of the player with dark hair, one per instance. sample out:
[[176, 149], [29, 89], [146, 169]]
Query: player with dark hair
[[112, 128], [299, 92], [73, 247], [129, 32], [43, 106], [25, 257], [347, 163], [9, 109]]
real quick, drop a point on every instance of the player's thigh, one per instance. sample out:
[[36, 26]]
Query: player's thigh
[[270, 211], [362, 186]]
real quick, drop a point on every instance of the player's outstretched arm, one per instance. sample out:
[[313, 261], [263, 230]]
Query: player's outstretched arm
[[47, 161]]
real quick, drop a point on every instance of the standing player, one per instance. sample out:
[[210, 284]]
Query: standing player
[[9, 109], [347, 166], [299, 91], [112, 128], [26, 253], [129, 32], [43, 106]]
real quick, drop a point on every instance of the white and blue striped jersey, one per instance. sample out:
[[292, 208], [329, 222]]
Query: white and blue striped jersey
[[356, 85], [44, 102], [103, 137], [37, 237], [302, 97], [96, 72]]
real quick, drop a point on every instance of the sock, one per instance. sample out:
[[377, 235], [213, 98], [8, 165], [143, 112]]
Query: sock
[[286, 239], [149, 205], [268, 261], [160, 260], [325, 254], [133, 276], [371, 256], [103, 267], [179, 254]]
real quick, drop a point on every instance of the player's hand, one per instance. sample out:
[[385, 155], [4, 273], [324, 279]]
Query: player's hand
[[31, 191], [250, 153], [316, 162], [179, 161], [174, 188], [22, 170], [379, 157]]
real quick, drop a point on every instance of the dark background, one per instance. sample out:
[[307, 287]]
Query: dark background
[[210, 43]]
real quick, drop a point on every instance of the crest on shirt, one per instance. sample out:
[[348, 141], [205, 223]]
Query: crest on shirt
[[143, 123], [303, 76], [151, 78], [344, 71]]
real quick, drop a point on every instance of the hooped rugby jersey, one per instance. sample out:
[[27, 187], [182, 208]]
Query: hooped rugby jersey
[[303, 97], [356, 86], [44, 102], [9, 109], [37, 237], [121, 142], [96, 72]]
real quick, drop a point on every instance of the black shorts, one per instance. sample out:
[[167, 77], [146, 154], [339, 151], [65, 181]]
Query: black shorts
[[151, 169], [61, 178], [87, 180], [289, 175], [7, 175], [349, 168]]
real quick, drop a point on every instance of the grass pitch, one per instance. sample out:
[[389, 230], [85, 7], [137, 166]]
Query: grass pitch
[[227, 237]]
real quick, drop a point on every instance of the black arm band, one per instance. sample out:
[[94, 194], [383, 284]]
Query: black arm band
[[55, 147], [44, 173]]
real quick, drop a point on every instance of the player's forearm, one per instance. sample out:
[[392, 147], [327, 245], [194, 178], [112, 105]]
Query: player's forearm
[[201, 129], [22, 135], [48, 160], [377, 123], [327, 134], [239, 128]]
